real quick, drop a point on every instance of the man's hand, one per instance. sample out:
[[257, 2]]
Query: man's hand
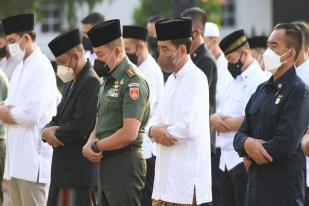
[[89, 153], [305, 144], [248, 164], [217, 122], [49, 135], [161, 135], [6, 116], [256, 151]]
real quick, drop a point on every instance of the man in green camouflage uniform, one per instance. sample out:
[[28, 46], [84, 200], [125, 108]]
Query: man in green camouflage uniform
[[123, 110]]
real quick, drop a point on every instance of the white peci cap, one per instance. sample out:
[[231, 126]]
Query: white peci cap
[[211, 30]]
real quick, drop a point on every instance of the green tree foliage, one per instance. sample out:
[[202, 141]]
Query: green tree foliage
[[68, 8], [163, 8], [148, 8], [213, 10]]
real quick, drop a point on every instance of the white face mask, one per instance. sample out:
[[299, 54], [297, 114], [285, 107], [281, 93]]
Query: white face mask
[[16, 52], [272, 61], [66, 74]]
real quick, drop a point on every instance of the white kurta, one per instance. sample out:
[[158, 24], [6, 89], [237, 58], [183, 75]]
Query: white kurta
[[154, 77], [224, 79], [32, 96], [303, 72], [234, 103], [180, 168]]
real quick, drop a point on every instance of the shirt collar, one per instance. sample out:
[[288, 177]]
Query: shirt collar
[[119, 70], [285, 81], [32, 56], [250, 71], [184, 69], [143, 65]]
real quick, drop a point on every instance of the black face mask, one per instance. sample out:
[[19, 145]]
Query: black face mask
[[235, 69], [152, 43], [101, 68], [3, 52], [133, 58], [87, 44]]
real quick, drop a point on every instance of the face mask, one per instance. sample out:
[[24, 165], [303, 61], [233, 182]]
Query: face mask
[[272, 61], [101, 68], [66, 74], [235, 69], [87, 44], [2, 52], [16, 52], [133, 58], [167, 63]]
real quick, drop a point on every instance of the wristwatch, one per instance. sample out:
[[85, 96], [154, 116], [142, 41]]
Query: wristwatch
[[95, 147]]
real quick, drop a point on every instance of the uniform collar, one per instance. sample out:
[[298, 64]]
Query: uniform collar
[[285, 81], [119, 70], [201, 49]]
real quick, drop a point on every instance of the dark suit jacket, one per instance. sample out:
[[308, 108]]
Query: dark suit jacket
[[76, 116]]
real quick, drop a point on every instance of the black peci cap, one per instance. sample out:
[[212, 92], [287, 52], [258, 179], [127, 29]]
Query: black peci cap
[[18, 23], [105, 32], [65, 42], [233, 41], [170, 29], [134, 32]]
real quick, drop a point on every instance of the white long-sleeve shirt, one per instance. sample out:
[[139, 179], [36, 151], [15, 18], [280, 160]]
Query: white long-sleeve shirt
[[185, 166], [154, 77], [32, 98], [233, 104], [303, 72]]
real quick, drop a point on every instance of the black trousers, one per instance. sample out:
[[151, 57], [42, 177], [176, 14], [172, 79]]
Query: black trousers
[[216, 175], [150, 172], [306, 196], [234, 186]]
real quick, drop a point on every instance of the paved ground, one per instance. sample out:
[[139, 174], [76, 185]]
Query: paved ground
[[6, 196]]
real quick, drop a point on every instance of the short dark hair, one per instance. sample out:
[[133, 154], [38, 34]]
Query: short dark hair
[[305, 32], [185, 41], [32, 34], [293, 34], [93, 18], [198, 16], [154, 19]]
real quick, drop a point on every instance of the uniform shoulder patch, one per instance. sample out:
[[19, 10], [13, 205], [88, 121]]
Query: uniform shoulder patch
[[131, 73]]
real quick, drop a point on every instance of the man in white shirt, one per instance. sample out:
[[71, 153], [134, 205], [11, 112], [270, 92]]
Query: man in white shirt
[[7, 62], [302, 70], [180, 127], [212, 40], [87, 23], [30, 105], [247, 76], [137, 51]]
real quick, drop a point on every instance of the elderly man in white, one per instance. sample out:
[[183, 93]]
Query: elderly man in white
[[181, 125]]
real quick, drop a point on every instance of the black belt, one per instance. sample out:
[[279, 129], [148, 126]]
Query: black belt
[[109, 154]]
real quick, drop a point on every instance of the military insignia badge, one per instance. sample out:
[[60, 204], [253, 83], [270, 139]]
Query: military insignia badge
[[134, 93]]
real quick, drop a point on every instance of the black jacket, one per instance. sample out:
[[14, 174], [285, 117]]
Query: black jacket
[[203, 60], [76, 116], [278, 114]]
